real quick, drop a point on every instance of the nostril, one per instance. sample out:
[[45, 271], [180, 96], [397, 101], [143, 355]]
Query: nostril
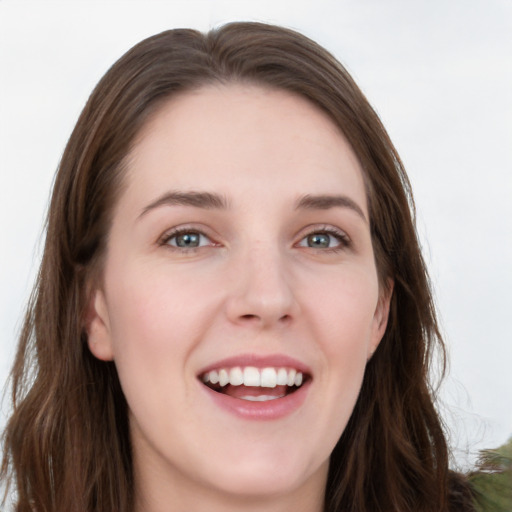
[[249, 317], [252, 318]]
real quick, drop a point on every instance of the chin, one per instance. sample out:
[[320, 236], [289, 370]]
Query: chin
[[265, 476]]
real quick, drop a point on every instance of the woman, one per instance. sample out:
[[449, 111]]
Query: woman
[[232, 309]]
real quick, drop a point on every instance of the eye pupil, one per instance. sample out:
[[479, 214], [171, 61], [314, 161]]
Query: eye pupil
[[318, 240], [188, 240]]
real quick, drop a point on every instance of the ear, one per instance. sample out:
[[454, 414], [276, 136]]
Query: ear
[[97, 326], [380, 318]]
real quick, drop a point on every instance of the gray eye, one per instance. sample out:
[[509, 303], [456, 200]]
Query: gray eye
[[319, 240], [324, 240], [188, 240]]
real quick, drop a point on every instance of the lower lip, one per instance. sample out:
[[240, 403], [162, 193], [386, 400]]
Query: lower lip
[[268, 410]]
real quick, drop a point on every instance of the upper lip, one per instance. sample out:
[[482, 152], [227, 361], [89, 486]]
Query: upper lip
[[258, 361]]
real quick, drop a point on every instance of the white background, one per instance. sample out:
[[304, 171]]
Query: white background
[[439, 73]]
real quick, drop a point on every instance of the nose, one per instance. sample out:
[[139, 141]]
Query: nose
[[261, 290]]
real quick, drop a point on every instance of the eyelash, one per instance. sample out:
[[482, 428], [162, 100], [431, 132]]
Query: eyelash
[[164, 241], [341, 237]]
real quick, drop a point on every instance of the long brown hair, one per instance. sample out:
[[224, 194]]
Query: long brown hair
[[67, 445]]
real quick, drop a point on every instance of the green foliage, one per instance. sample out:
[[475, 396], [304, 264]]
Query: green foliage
[[492, 481]]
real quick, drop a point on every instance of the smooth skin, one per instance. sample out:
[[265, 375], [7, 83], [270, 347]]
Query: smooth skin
[[256, 267]]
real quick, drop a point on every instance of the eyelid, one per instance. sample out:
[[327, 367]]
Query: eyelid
[[341, 235], [171, 233]]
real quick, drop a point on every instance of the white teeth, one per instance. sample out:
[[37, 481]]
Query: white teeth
[[260, 398], [223, 377], [214, 377], [268, 377], [282, 377], [252, 376], [236, 376]]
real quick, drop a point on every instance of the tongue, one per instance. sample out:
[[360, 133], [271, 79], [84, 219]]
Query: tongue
[[254, 391]]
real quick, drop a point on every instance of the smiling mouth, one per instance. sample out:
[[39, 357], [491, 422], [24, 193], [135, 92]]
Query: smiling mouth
[[254, 384]]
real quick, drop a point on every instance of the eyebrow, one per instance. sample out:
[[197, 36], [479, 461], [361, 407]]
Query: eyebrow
[[205, 200], [325, 202], [211, 201]]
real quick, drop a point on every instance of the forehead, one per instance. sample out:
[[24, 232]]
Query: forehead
[[241, 139]]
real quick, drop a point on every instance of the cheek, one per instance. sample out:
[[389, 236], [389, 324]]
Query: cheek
[[342, 319], [343, 309], [154, 302], [155, 320]]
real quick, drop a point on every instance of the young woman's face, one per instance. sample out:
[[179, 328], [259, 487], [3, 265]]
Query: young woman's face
[[240, 250]]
